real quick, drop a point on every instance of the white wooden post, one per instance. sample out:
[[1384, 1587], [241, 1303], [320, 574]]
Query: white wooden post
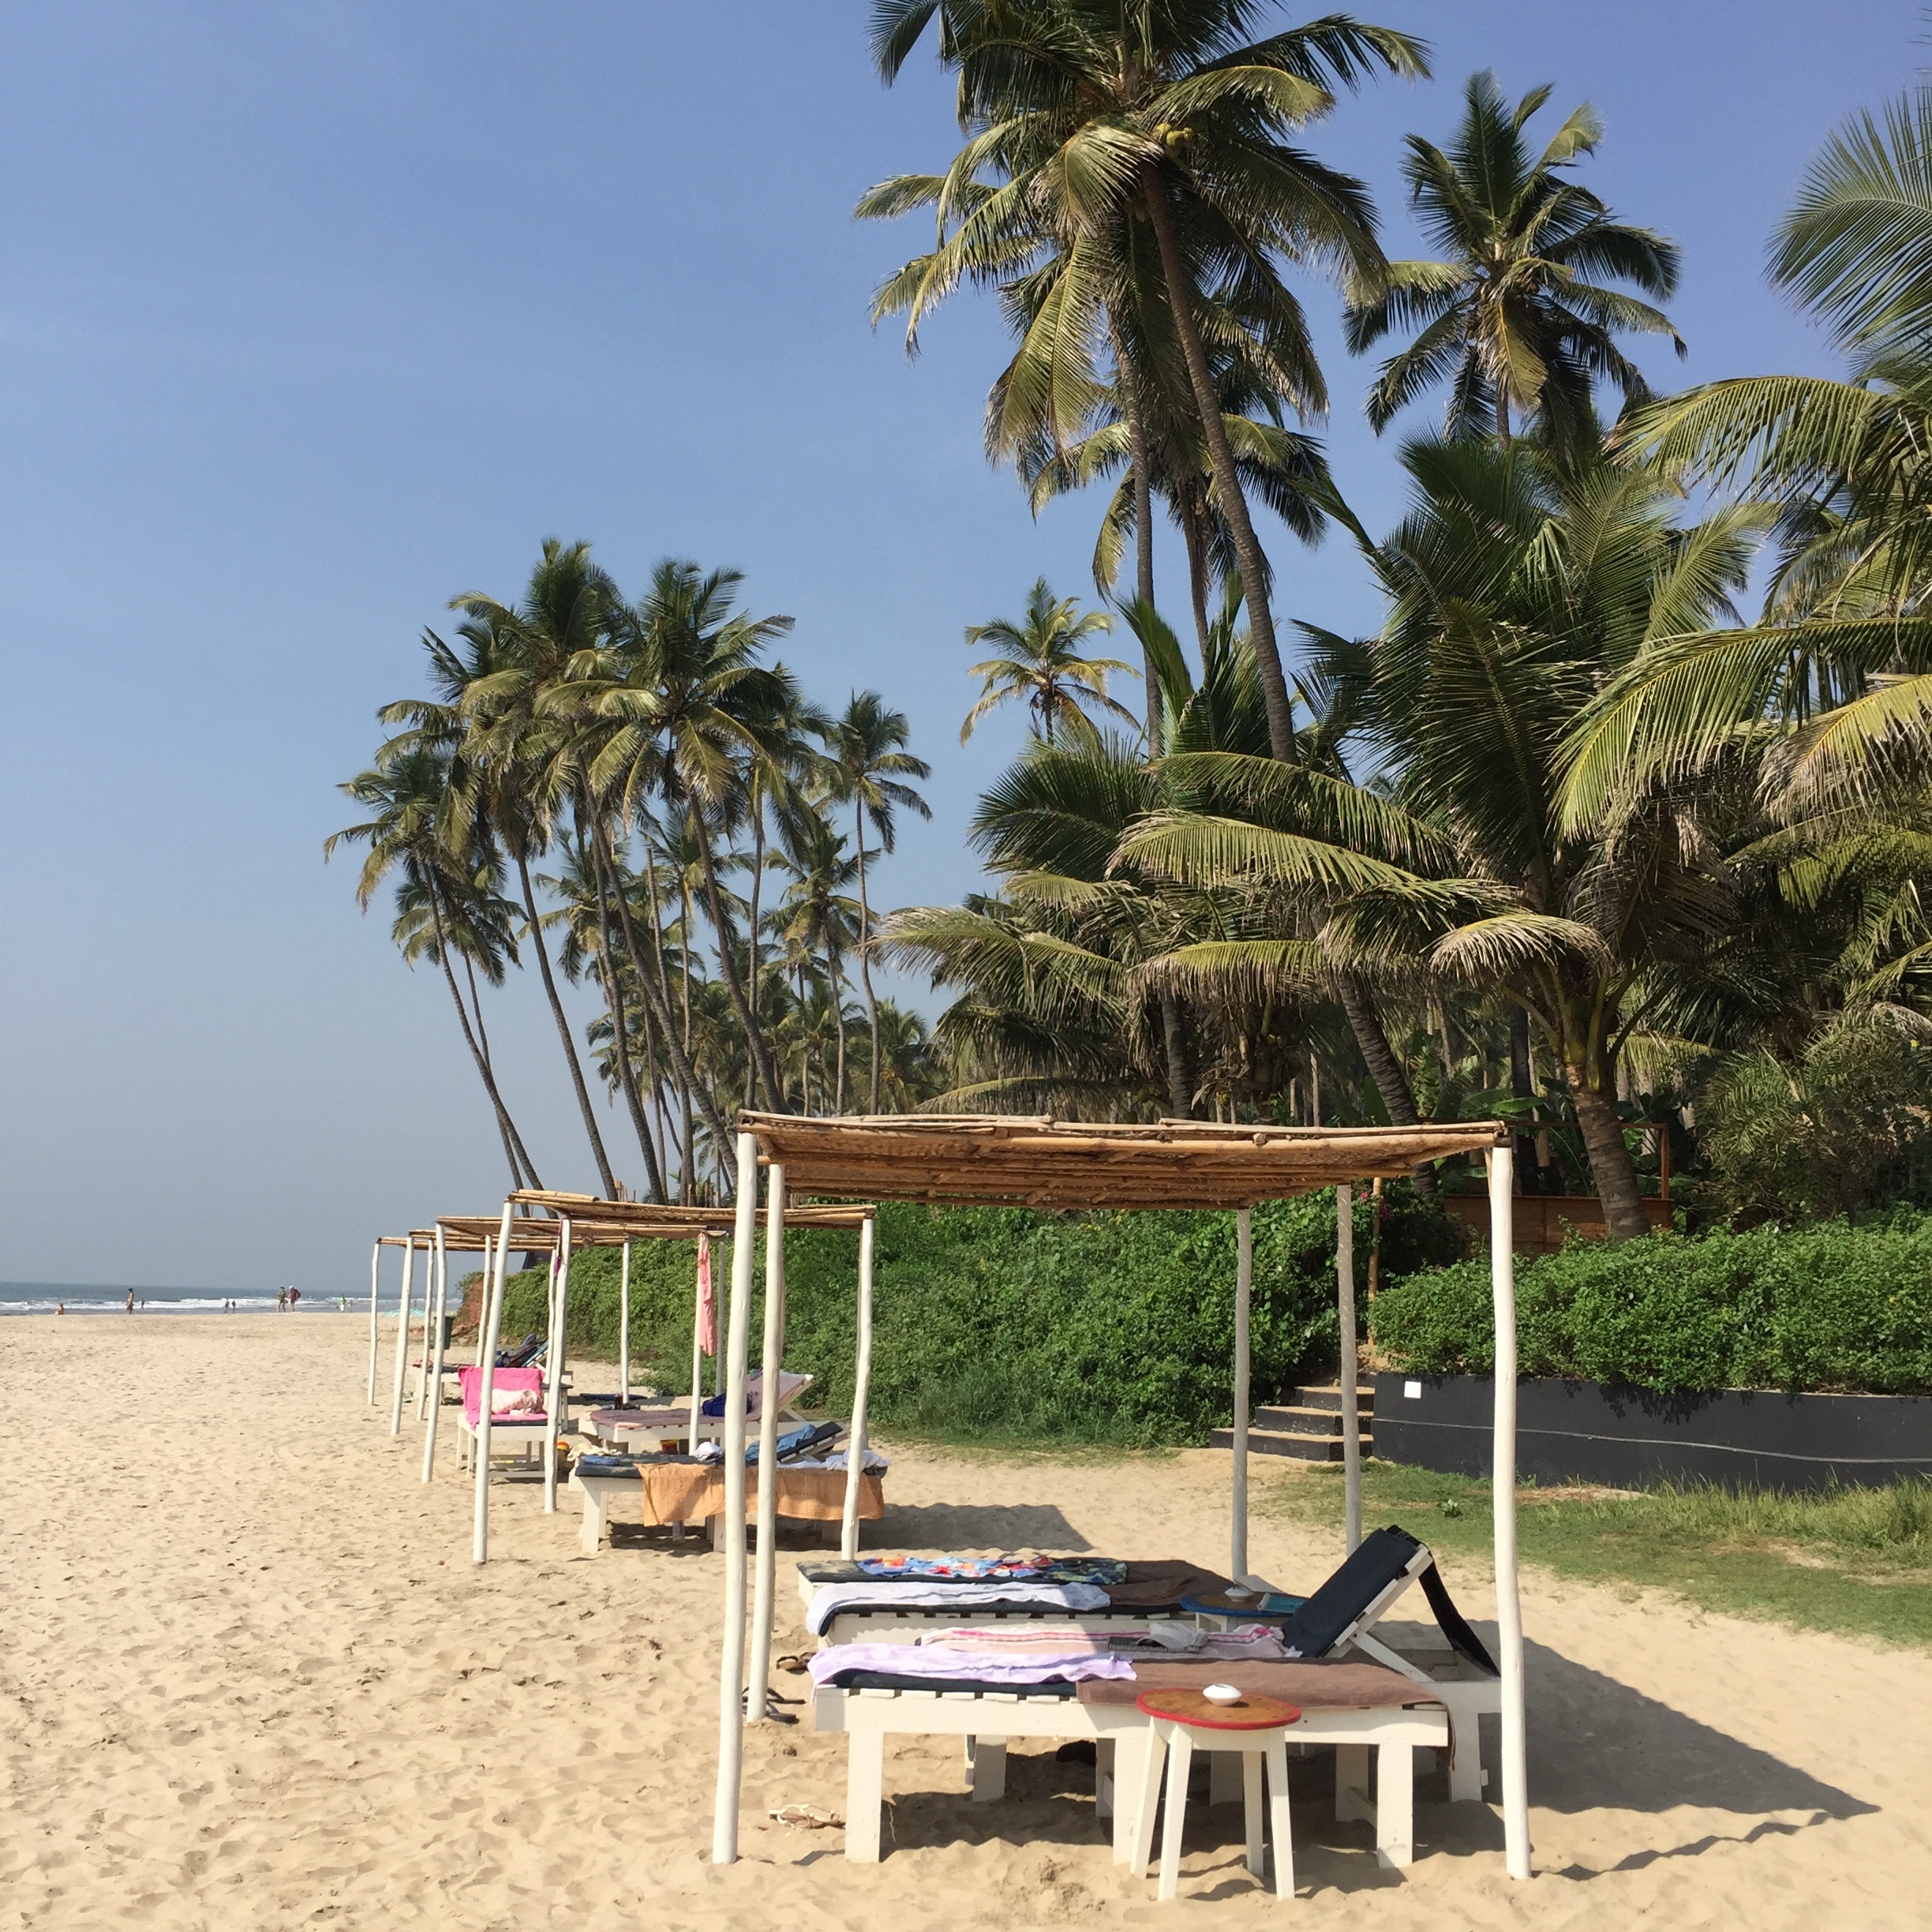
[[765, 1584], [730, 1661], [558, 1410], [491, 1324], [862, 1390], [1244, 1290], [432, 1312], [436, 1378], [401, 1345], [1503, 1498], [483, 1298], [697, 1386], [623, 1329], [1351, 1417], [375, 1272]]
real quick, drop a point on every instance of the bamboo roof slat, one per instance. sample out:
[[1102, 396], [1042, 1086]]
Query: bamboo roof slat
[[1037, 1161]]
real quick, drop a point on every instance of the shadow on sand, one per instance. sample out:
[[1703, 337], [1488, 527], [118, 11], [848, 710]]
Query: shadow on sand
[[1013, 1526]]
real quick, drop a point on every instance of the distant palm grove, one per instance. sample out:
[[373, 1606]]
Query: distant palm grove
[[1571, 838]]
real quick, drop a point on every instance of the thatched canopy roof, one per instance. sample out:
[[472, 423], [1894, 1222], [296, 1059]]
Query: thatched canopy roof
[[1039, 1161], [603, 1223]]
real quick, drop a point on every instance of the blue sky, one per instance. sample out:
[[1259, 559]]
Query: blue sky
[[311, 317]]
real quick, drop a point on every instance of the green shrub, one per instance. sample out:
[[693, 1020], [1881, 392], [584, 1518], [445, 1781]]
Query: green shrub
[[991, 1322], [1831, 1306]]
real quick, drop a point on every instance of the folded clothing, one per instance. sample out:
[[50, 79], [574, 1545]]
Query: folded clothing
[[1168, 1638], [935, 1667], [1033, 1569], [830, 1599]]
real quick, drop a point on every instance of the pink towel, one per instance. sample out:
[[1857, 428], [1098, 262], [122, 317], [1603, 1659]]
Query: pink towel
[[707, 1307], [523, 1388]]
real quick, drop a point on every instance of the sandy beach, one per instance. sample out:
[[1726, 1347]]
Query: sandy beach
[[252, 1678]]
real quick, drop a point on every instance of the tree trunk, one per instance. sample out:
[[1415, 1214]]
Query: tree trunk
[[658, 996], [504, 1126], [1143, 533], [865, 956], [728, 962], [1523, 1086], [1180, 1069], [614, 999], [512, 1141], [1197, 582], [1227, 478], [1611, 1165], [563, 1031], [1391, 1083]]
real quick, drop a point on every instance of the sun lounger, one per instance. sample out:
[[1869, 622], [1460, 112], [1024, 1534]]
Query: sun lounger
[[641, 1429], [1354, 1707], [1346, 1614], [516, 1427]]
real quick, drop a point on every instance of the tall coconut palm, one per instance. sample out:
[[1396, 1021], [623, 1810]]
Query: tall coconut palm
[[1833, 685], [1155, 135], [517, 653], [1038, 662], [819, 923], [867, 767], [443, 906], [1515, 315]]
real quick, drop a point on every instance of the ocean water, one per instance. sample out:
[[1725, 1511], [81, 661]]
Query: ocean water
[[101, 1298]]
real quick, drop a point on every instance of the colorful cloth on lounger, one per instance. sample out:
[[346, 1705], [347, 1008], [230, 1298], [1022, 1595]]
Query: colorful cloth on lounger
[[967, 1666], [988, 1569], [1173, 1639], [830, 1599]]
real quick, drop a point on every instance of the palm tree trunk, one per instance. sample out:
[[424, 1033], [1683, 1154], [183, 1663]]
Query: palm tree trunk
[[656, 995], [563, 1031], [1227, 478], [1197, 582], [504, 1127], [1612, 1167], [614, 999], [734, 986], [1180, 1070], [512, 1141], [865, 957], [1144, 530], [1391, 1083]]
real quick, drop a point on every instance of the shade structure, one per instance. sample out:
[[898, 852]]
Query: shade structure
[[1042, 1162], [564, 1221], [1036, 1161]]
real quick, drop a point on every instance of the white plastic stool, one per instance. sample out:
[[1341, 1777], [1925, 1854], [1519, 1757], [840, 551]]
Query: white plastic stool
[[1184, 1721]]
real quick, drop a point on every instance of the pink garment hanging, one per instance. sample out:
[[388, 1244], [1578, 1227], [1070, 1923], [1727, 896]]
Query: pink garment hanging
[[707, 1307]]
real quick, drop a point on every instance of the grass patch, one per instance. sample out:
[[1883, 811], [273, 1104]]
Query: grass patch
[[1854, 1562]]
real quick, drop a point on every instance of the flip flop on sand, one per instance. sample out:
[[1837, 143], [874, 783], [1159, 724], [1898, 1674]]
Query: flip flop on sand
[[808, 1818], [797, 1664]]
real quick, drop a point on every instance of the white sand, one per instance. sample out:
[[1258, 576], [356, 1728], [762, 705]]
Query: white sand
[[251, 1679]]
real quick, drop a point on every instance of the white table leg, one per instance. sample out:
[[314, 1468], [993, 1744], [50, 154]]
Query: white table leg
[[1351, 1782], [989, 1768], [1466, 1768], [865, 1794], [1180, 1761], [1103, 1778], [1148, 1801], [1251, 1804], [1394, 1804], [1281, 1824], [591, 1536]]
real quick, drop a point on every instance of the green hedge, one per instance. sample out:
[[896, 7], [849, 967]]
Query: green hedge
[[1831, 1306], [993, 1322]]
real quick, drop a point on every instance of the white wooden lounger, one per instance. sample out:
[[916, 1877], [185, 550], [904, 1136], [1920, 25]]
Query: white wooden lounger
[[985, 1720]]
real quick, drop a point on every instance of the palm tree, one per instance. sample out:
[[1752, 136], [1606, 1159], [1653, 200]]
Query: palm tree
[[1145, 173], [442, 907], [1039, 661], [1833, 685], [819, 923], [866, 768], [1515, 316], [516, 654]]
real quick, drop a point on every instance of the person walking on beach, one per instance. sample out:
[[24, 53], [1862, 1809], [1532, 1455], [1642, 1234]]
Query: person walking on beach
[[281, 1301], [60, 1307], [130, 1302], [294, 1296]]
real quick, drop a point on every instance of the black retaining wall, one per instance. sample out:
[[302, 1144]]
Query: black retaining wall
[[1626, 1438]]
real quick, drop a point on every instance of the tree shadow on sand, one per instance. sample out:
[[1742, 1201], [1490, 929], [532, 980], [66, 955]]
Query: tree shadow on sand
[[1012, 1526]]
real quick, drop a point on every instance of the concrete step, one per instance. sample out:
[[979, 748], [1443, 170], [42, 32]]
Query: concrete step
[[1308, 1421], [1329, 1396], [1283, 1443]]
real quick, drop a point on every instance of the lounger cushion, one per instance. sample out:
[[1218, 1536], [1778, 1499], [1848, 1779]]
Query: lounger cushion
[[883, 1680], [1376, 1561]]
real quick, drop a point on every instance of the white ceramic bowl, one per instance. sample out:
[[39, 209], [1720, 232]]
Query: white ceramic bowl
[[1221, 1693]]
